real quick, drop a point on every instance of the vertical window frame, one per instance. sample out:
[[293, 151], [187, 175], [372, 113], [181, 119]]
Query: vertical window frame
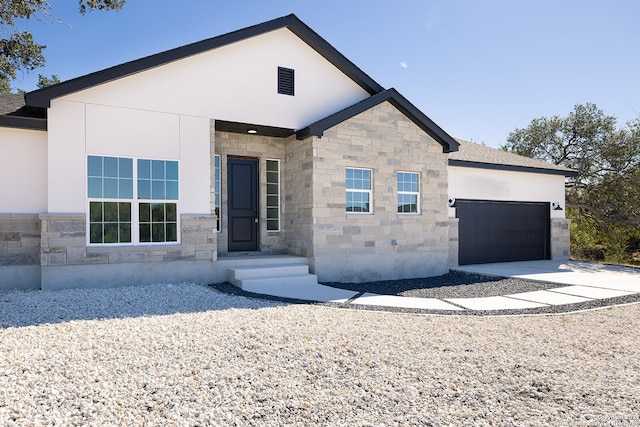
[[355, 179], [401, 187], [217, 202], [270, 195]]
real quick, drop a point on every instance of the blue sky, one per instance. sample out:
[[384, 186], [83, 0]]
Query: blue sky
[[480, 69]]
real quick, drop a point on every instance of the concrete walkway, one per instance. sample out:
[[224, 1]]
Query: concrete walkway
[[586, 281]]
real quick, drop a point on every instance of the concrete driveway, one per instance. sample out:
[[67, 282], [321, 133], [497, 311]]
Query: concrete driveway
[[581, 273], [585, 281]]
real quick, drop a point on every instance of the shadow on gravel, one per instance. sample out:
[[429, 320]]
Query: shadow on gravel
[[19, 308]]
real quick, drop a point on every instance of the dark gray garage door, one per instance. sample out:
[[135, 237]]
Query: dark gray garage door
[[502, 231]]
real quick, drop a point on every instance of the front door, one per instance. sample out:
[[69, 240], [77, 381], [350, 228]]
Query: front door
[[242, 180]]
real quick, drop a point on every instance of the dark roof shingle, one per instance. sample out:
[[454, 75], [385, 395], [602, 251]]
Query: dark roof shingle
[[15, 114], [11, 103]]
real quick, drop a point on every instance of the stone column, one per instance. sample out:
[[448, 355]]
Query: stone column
[[560, 239]]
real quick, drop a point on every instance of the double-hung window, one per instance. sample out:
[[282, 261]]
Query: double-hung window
[[157, 193], [359, 186], [408, 192], [127, 210]]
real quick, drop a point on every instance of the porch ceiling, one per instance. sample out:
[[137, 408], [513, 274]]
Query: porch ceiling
[[236, 127]]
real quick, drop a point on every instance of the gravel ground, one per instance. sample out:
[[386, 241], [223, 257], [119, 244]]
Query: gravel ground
[[456, 284], [187, 355]]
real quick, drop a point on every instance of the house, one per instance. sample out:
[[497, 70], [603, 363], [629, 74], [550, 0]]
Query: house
[[273, 143]]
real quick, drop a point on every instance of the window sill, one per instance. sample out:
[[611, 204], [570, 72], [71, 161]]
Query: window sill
[[129, 247]]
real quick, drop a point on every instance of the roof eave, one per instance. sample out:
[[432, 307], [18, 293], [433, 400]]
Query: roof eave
[[19, 122], [42, 97], [512, 168], [448, 143]]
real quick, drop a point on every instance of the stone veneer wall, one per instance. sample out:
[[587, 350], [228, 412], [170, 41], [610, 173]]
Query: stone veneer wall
[[384, 244], [560, 239], [19, 251], [64, 255], [263, 148], [454, 241], [298, 181]]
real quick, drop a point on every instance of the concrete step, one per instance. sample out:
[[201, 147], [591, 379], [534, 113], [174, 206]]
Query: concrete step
[[263, 278], [270, 284], [255, 272]]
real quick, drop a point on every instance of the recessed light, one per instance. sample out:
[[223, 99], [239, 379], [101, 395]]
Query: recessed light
[[252, 131]]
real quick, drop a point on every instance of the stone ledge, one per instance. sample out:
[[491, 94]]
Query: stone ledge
[[62, 216]]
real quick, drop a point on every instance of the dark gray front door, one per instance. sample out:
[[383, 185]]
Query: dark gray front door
[[242, 180], [492, 231]]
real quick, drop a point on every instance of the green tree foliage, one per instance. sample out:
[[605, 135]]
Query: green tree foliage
[[603, 201], [18, 50], [44, 81]]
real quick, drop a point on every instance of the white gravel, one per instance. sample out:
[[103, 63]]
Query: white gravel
[[187, 355]]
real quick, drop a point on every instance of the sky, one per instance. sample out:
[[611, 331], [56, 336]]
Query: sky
[[479, 68]]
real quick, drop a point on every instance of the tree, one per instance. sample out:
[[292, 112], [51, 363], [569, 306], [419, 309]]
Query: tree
[[604, 199], [18, 50], [44, 81]]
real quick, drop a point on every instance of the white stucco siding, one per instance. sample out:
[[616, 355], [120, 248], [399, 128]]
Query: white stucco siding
[[77, 130], [237, 82], [195, 166], [23, 171], [67, 157], [487, 184], [132, 133]]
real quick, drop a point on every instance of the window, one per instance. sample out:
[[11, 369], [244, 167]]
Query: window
[[408, 192], [285, 81], [216, 189], [157, 182], [110, 188], [273, 195], [120, 212], [358, 190]]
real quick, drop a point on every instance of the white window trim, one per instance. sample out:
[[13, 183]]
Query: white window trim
[[417, 194], [135, 206], [369, 191], [278, 195]]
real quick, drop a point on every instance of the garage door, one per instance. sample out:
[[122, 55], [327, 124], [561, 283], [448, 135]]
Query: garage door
[[502, 231]]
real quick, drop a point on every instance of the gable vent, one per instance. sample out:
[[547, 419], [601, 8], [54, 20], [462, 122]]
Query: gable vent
[[285, 81]]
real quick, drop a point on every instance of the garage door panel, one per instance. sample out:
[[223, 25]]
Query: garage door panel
[[491, 231]]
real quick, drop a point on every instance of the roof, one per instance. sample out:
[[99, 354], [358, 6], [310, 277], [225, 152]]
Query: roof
[[11, 102], [397, 100], [480, 156], [43, 97], [15, 114]]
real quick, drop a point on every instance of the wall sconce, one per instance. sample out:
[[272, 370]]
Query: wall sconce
[[556, 206]]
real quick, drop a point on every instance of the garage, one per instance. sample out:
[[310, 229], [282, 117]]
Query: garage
[[499, 231]]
